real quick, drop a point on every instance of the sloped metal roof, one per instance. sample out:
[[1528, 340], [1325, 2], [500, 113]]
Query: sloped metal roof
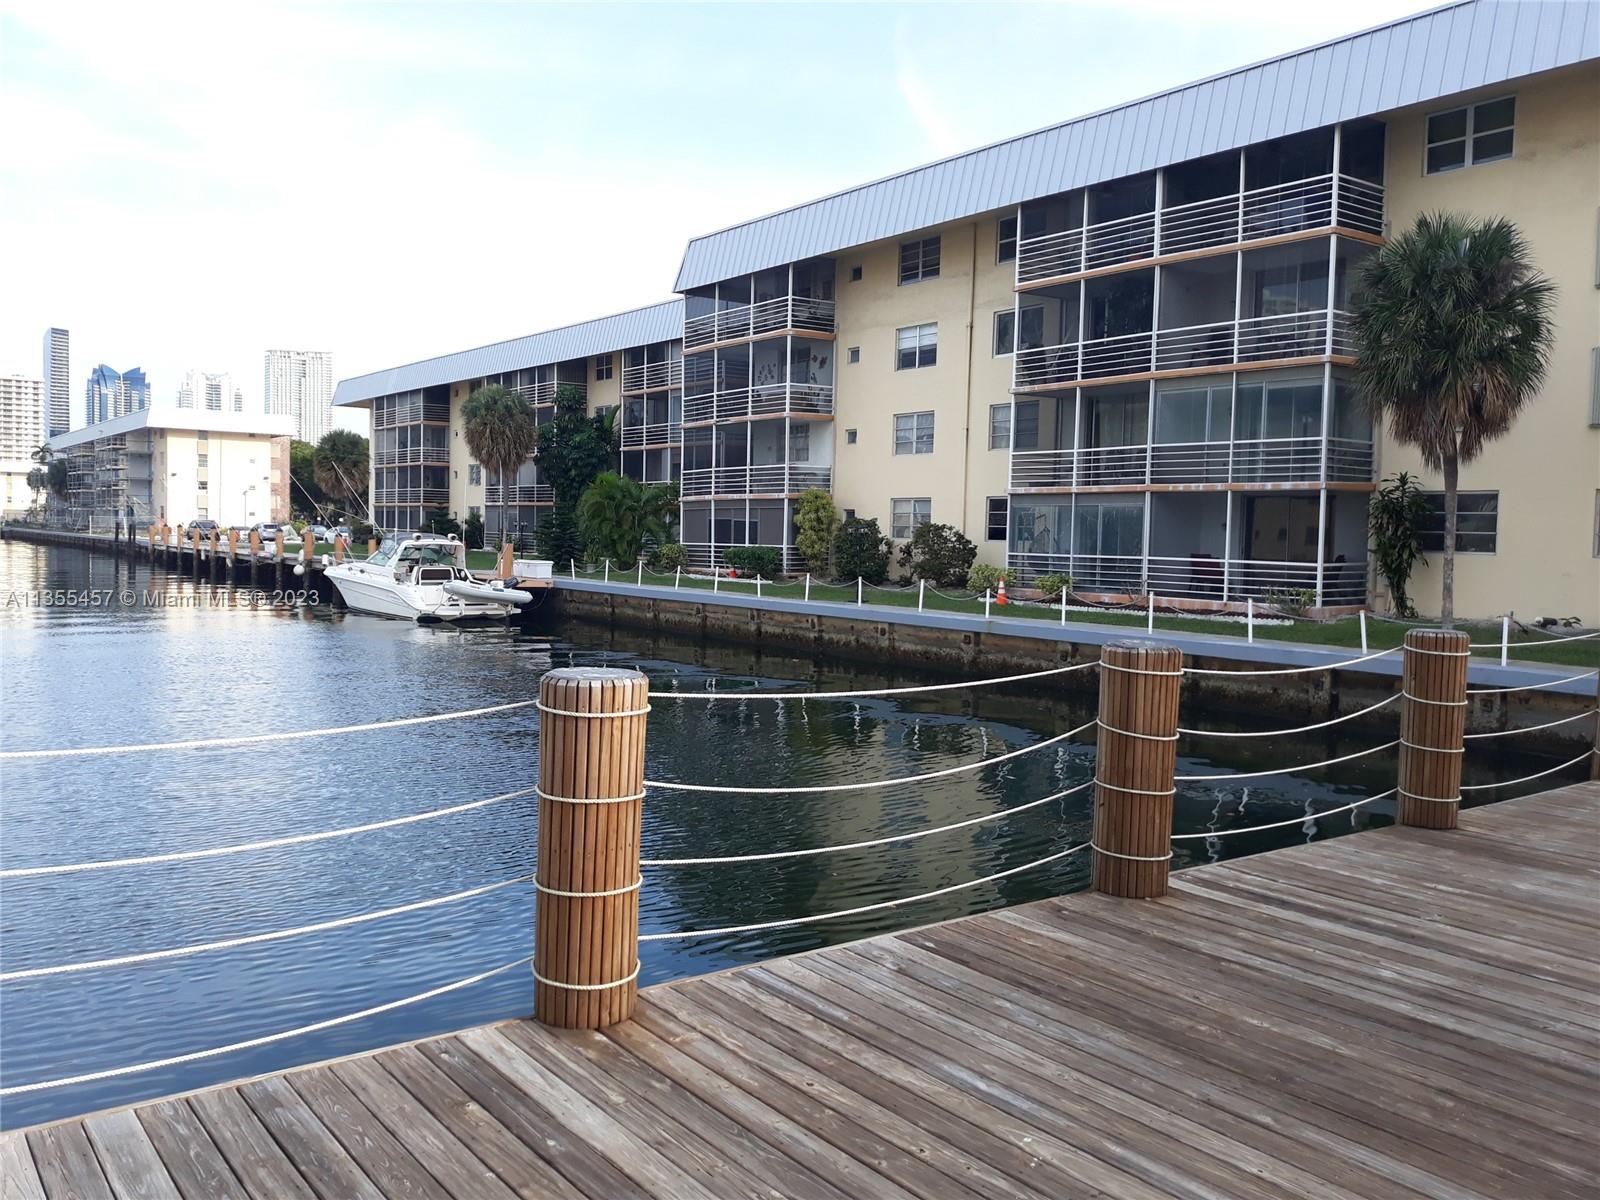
[[1433, 54], [637, 327]]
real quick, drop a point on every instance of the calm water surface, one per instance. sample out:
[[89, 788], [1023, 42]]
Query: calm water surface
[[146, 672]]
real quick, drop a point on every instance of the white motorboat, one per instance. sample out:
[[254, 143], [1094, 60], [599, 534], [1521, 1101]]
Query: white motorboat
[[422, 577]]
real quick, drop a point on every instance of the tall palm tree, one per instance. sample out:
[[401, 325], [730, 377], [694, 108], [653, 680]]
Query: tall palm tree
[[341, 465], [1453, 332], [501, 433]]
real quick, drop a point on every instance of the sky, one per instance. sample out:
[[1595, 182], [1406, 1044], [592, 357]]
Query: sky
[[185, 185]]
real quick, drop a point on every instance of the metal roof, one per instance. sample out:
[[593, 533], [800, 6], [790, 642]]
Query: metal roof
[[1421, 58], [637, 327], [170, 416]]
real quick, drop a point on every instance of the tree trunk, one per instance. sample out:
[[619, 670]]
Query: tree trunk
[[1447, 601]]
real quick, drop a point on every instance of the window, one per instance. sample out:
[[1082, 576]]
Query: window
[[908, 514], [1005, 329], [1477, 522], [201, 460], [474, 473], [916, 346], [200, 485], [855, 274], [1005, 239], [1478, 133], [849, 514], [999, 518], [602, 368], [913, 433], [855, 354], [475, 510], [849, 437], [919, 260], [800, 442], [999, 426], [1025, 426]]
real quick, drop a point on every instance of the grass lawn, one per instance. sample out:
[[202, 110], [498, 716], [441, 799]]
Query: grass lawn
[[1344, 632]]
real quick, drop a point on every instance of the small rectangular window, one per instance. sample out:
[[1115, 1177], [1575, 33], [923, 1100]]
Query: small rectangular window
[[1005, 332], [916, 346], [850, 437], [913, 433], [908, 513], [475, 473], [1025, 425], [1477, 522], [1005, 239], [855, 354], [1476, 133], [999, 518], [919, 260], [602, 368], [855, 274], [1000, 426]]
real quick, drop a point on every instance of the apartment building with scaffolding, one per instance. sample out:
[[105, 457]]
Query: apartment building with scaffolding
[[1119, 348]]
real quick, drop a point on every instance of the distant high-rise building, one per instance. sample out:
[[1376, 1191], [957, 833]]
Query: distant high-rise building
[[115, 393], [57, 382], [213, 391], [299, 384], [21, 433]]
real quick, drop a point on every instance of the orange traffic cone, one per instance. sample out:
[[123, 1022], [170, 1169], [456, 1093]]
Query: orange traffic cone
[[1000, 595]]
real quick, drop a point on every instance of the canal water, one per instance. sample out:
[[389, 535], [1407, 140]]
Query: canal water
[[96, 651]]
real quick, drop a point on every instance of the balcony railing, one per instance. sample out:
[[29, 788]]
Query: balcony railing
[[752, 320], [1190, 347], [652, 377], [1255, 460], [1199, 576], [1268, 212], [530, 493], [774, 479], [412, 495], [657, 433], [707, 555], [545, 393], [438, 456], [765, 400]]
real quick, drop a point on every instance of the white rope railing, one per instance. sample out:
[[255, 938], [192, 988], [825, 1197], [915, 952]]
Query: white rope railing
[[1549, 640], [1500, 783], [864, 908], [900, 691], [1327, 762], [269, 844], [1530, 687], [268, 1039], [1588, 712], [256, 939], [254, 739], [1333, 666], [772, 855], [1360, 712], [820, 788], [1300, 820]]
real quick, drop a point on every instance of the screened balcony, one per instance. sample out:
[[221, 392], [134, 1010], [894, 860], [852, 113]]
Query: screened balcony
[[775, 378], [654, 419], [525, 488], [1292, 185], [652, 369], [798, 297], [712, 527]]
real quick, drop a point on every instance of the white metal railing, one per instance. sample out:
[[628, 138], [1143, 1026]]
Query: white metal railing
[[1244, 460], [412, 495], [528, 493], [765, 400], [1198, 576], [802, 313], [708, 555], [653, 376], [412, 456], [1284, 208], [761, 480], [545, 393], [655, 433]]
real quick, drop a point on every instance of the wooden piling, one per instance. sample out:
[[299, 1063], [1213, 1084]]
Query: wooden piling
[[591, 779], [216, 545], [1134, 764], [503, 569], [338, 548], [308, 547], [1432, 724]]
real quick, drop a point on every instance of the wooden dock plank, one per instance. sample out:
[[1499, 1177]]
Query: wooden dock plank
[[1403, 1013]]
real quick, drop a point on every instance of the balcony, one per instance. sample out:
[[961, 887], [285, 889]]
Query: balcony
[[773, 479], [1194, 347], [660, 433], [653, 376], [532, 493], [1199, 577], [1251, 461], [753, 320], [430, 497], [705, 556], [545, 392], [437, 456], [764, 400], [1269, 212]]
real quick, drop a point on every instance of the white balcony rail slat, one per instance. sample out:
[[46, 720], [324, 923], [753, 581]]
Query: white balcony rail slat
[[1198, 576], [1244, 460], [654, 376], [802, 313], [759, 480]]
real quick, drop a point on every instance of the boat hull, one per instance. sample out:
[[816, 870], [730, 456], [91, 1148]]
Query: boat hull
[[379, 595]]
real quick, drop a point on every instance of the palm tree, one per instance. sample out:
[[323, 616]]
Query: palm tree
[[1453, 333], [341, 464], [618, 515], [500, 431]]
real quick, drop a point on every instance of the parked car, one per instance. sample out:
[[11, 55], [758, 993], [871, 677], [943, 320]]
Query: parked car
[[320, 533], [205, 528], [268, 530], [341, 531]]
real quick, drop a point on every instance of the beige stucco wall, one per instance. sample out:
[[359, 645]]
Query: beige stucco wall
[[962, 472], [464, 494], [1547, 469], [243, 485]]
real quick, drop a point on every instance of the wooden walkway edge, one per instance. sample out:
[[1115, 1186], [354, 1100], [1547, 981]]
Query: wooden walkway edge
[[1401, 1013]]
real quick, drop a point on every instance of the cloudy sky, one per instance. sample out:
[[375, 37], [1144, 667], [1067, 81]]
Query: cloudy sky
[[187, 185]]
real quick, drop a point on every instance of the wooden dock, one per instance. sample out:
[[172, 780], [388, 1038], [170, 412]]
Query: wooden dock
[[1399, 1013]]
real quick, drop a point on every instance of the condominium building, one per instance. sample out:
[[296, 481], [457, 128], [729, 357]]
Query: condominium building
[[110, 394], [57, 380], [299, 384], [628, 363], [177, 465], [22, 432], [1119, 348], [210, 390]]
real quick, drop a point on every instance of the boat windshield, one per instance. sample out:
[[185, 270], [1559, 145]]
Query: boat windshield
[[383, 554], [434, 555]]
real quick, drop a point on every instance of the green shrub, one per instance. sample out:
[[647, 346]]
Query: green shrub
[[669, 557], [360, 532], [472, 530], [1053, 585], [860, 549], [940, 554], [983, 577], [816, 525], [765, 561], [440, 522]]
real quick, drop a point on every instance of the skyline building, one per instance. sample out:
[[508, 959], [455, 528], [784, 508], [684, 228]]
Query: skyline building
[[211, 390], [299, 384], [57, 380], [111, 393], [22, 422]]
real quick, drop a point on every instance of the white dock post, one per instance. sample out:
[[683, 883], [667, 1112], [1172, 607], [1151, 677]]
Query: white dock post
[[1063, 604], [1150, 618], [1249, 618], [861, 590], [987, 595], [1505, 639], [641, 571], [1362, 617], [922, 587], [573, 567], [608, 571], [677, 579], [808, 585]]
